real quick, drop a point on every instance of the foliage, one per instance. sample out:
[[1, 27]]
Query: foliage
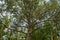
[[29, 19]]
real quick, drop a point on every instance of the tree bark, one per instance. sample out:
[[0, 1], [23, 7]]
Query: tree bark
[[51, 35], [58, 38], [29, 34]]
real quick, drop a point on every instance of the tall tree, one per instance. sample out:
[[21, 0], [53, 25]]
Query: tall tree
[[29, 14]]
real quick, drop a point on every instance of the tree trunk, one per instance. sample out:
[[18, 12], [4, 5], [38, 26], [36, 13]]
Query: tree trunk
[[29, 34], [58, 38], [51, 35]]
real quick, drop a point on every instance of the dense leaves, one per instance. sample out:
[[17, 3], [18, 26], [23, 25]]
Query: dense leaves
[[29, 20]]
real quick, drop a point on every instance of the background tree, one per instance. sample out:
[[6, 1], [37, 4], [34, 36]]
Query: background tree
[[29, 19]]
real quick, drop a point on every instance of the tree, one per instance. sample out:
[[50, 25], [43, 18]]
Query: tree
[[30, 15]]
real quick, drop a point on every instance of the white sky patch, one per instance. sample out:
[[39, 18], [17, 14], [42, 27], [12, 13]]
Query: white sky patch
[[4, 37], [24, 24], [42, 2], [0, 2], [47, 0], [4, 13], [5, 30], [8, 14]]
